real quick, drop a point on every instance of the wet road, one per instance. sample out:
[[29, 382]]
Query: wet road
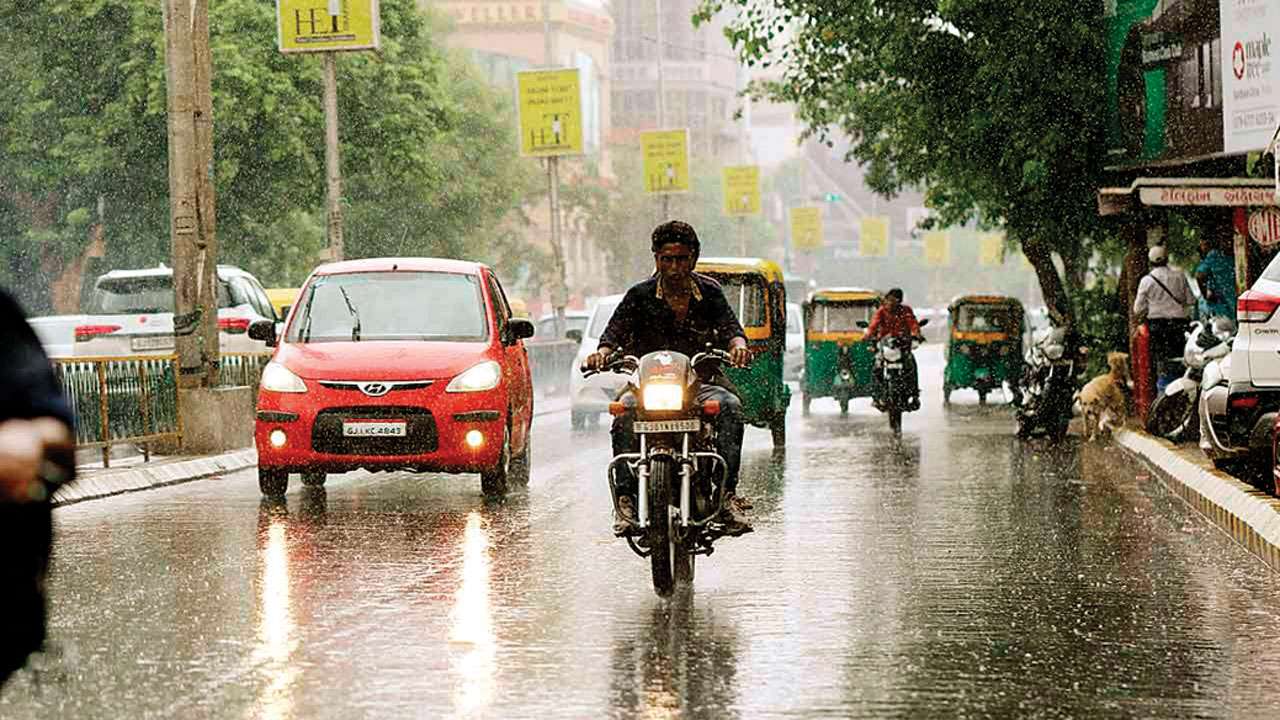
[[965, 574]]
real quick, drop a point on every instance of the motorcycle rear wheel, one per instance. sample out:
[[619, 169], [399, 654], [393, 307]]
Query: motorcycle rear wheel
[[669, 561]]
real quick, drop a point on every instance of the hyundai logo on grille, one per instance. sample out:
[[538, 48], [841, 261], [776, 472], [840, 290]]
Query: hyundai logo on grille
[[375, 389]]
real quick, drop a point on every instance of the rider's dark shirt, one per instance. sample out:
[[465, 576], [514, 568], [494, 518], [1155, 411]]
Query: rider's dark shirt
[[644, 322]]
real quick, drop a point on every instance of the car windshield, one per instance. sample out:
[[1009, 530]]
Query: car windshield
[[600, 320], [840, 318], [987, 318], [746, 296], [146, 294], [391, 306]]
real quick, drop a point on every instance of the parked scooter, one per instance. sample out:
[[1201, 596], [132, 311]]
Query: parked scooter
[[1173, 415], [1049, 383]]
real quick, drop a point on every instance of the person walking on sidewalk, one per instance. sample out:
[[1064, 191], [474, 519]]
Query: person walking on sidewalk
[[1163, 299], [37, 453]]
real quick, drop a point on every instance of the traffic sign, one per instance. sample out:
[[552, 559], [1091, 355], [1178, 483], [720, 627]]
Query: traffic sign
[[937, 248], [806, 228], [327, 25], [741, 189], [875, 236], [1264, 226], [666, 160], [991, 248], [550, 108]]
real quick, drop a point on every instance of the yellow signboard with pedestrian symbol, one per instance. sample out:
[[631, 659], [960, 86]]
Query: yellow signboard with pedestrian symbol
[[327, 25], [741, 187], [875, 237], [990, 249], [550, 112], [937, 248], [806, 228], [666, 160]]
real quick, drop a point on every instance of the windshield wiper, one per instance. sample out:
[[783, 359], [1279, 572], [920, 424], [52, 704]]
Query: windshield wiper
[[355, 328]]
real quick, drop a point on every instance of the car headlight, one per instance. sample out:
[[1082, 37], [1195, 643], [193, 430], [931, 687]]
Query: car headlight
[[278, 378], [484, 376], [663, 397]]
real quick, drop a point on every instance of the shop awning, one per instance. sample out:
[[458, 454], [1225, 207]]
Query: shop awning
[[1187, 192]]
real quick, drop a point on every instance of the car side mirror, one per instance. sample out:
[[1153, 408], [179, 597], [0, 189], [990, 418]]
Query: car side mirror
[[264, 330], [574, 335], [519, 329]]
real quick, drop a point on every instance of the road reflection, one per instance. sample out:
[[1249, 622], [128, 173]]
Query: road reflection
[[471, 636], [276, 641]]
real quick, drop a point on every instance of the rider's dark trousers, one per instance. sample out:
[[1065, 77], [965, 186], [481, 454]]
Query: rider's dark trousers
[[729, 428]]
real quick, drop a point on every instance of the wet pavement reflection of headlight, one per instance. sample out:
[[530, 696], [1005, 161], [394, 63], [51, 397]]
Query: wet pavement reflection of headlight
[[473, 624], [275, 627]]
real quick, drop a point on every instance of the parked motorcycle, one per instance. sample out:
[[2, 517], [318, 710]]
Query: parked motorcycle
[[680, 476], [892, 387], [1050, 379], [1173, 414]]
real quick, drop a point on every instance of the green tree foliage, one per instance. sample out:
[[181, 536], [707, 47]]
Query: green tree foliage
[[993, 106], [428, 158]]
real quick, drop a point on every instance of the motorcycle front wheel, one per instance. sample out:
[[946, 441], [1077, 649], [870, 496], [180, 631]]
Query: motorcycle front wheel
[[669, 560]]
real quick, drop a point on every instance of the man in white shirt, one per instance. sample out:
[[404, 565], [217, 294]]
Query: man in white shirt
[[1164, 297]]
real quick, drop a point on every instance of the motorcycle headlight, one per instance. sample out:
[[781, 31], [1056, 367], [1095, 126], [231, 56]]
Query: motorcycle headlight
[[278, 378], [484, 376], [1054, 351], [892, 354], [663, 396]]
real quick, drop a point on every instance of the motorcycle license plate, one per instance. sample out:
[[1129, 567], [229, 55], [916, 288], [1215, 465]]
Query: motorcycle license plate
[[893, 366], [375, 428], [668, 426]]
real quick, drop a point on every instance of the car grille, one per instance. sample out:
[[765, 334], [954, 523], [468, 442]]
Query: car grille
[[420, 437]]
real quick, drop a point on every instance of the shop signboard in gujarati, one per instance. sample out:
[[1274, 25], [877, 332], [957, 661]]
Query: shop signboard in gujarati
[[550, 106], [806, 228], [327, 25], [666, 160], [740, 185]]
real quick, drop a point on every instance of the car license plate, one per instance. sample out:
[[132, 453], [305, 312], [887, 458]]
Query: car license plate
[[668, 426], [152, 342], [894, 366], [375, 428]]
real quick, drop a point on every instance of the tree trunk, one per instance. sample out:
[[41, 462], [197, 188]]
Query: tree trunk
[[1051, 287]]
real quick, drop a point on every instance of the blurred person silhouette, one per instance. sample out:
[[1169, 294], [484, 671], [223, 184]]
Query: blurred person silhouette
[[37, 454]]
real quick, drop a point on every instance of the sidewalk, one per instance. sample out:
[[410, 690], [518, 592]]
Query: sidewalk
[[1247, 514], [130, 474]]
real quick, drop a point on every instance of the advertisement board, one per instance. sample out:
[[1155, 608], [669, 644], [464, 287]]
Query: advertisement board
[[1250, 73]]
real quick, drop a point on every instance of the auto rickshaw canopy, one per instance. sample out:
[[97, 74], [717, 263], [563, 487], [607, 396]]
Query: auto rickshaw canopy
[[758, 299]]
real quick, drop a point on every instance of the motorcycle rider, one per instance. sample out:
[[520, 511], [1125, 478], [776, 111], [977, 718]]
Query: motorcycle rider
[[680, 310], [893, 319]]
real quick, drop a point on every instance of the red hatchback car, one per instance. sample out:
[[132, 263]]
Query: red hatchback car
[[396, 363]]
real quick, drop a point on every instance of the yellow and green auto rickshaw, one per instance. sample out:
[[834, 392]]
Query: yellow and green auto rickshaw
[[984, 345], [837, 363], [755, 292]]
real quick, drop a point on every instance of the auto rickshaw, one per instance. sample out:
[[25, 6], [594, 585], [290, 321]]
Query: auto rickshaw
[[755, 291], [984, 345], [837, 363]]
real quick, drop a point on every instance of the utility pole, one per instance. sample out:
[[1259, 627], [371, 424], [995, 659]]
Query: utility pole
[[662, 98], [193, 243], [332, 159]]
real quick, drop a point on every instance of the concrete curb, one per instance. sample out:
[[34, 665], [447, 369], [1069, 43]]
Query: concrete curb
[[95, 483], [1250, 516]]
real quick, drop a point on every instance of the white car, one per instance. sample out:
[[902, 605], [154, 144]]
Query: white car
[[591, 396], [575, 322], [793, 357], [130, 312], [57, 333]]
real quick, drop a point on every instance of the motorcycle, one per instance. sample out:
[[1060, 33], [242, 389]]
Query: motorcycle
[[680, 476], [1049, 382], [892, 384], [1173, 414]]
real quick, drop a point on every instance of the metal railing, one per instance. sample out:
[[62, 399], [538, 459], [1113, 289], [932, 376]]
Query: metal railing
[[134, 399], [126, 399], [551, 363]]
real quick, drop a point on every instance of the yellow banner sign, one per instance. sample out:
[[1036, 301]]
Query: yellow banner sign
[[806, 228], [741, 186], [666, 160], [991, 248], [327, 25], [875, 237], [550, 112], [937, 248]]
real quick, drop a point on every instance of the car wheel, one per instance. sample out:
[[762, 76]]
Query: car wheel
[[273, 482], [314, 479], [493, 483]]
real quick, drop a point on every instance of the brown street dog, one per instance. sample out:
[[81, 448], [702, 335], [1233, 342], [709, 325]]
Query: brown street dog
[[1103, 399]]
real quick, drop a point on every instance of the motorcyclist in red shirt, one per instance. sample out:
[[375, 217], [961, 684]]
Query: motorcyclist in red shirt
[[893, 319]]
